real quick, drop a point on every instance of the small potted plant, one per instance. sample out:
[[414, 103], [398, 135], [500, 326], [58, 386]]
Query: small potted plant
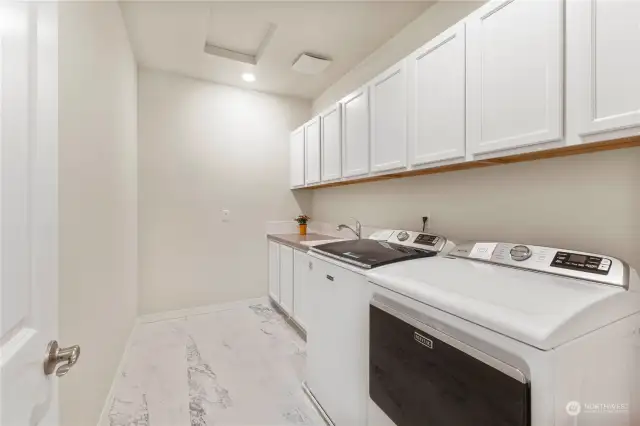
[[302, 223]]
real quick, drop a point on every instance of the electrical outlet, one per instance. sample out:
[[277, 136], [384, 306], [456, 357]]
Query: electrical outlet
[[426, 222]]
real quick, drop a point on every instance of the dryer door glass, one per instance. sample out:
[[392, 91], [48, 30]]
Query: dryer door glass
[[418, 379]]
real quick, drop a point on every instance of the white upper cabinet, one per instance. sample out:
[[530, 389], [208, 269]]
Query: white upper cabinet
[[603, 56], [331, 153], [436, 118], [312, 151], [514, 74], [297, 158], [355, 133], [389, 119]]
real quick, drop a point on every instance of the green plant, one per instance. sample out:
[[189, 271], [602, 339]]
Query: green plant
[[302, 219]]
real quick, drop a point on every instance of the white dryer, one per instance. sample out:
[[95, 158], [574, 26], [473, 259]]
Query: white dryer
[[504, 334]]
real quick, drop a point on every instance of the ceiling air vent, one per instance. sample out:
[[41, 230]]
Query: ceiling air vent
[[310, 64]]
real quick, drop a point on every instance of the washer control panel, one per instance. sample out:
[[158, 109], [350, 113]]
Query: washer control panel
[[581, 262], [572, 264], [421, 240]]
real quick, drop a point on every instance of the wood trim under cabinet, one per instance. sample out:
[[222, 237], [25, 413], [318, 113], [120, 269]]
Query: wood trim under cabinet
[[628, 142]]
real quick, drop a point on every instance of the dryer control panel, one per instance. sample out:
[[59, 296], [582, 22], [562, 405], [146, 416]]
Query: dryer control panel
[[568, 263]]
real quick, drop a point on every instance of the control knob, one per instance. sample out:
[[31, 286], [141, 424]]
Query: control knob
[[403, 236], [520, 253]]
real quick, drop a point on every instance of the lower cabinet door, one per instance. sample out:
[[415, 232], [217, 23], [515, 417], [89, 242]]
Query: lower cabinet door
[[286, 279], [337, 343], [274, 271], [301, 268]]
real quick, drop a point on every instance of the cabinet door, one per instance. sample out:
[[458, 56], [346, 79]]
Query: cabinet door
[[286, 279], [274, 271], [604, 39], [337, 343], [331, 134], [514, 74], [389, 119], [301, 269], [312, 142], [297, 158], [355, 134], [436, 116]]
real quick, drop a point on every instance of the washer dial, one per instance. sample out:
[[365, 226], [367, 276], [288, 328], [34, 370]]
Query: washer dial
[[403, 236], [520, 253]]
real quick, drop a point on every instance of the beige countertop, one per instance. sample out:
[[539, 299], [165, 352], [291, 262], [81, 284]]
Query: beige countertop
[[296, 240]]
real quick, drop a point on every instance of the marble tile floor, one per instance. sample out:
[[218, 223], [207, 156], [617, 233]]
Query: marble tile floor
[[239, 366]]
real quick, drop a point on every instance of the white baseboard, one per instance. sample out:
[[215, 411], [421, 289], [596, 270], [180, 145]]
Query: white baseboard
[[200, 310]]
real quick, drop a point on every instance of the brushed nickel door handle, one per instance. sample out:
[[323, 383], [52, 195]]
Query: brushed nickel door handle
[[56, 355]]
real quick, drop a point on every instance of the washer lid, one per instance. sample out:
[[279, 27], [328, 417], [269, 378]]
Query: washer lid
[[539, 309]]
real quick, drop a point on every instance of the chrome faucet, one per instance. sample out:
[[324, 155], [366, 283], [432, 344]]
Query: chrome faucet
[[357, 231]]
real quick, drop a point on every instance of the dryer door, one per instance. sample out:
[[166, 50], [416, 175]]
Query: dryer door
[[419, 376]]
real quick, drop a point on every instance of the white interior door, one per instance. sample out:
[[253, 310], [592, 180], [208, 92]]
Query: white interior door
[[28, 211]]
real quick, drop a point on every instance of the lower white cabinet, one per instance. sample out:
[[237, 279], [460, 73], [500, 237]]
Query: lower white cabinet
[[274, 271], [301, 269], [286, 279], [338, 343]]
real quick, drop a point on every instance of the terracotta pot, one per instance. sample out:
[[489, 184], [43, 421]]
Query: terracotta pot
[[303, 229]]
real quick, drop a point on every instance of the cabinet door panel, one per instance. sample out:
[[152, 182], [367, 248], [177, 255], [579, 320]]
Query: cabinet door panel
[[274, 271], [331, 160], [286, 279], [301, 269], [297, 158], [389, 119], [514, 74], [437, 99], [605, 36], [355, 134], [312, 140]]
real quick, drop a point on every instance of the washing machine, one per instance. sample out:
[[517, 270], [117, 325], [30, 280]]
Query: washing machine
[[505, 334], [337, 327]]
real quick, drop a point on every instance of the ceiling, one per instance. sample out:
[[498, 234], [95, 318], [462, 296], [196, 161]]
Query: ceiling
[[171, 36]]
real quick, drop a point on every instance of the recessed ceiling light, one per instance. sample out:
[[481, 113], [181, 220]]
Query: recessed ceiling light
[[247, 76]]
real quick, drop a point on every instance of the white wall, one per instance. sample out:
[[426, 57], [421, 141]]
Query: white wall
[[587, 202], [429, 24], [97, 201], [203, 148]]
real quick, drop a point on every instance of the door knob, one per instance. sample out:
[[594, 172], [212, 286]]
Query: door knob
[[56, 355]]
